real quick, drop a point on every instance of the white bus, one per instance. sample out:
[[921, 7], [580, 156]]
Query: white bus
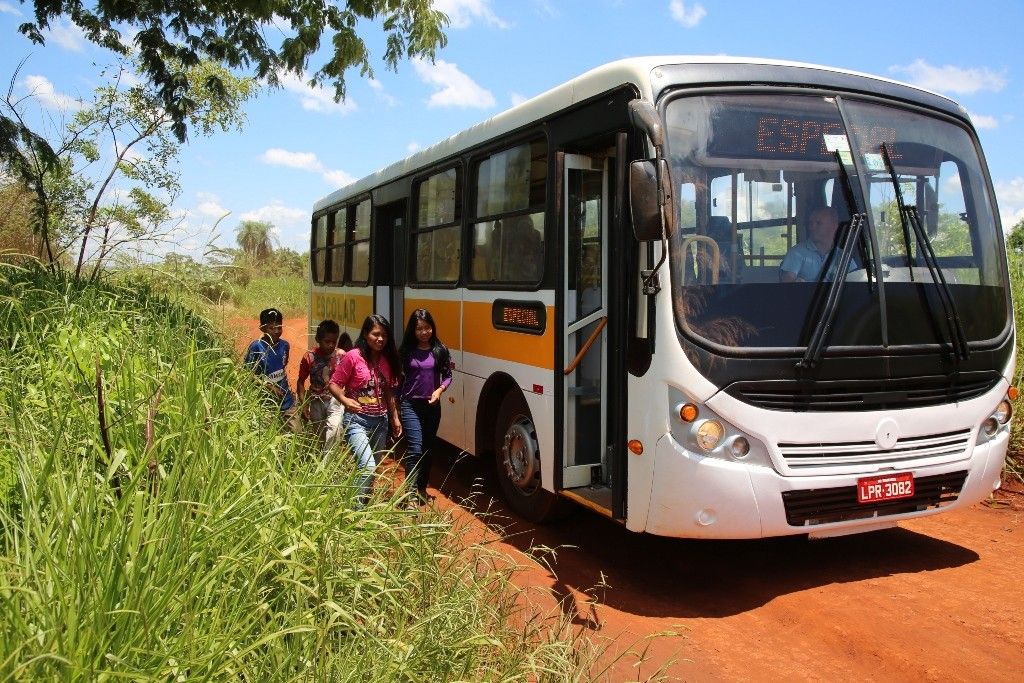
[[645, 319]]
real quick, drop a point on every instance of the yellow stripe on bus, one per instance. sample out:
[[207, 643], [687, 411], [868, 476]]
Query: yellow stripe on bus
[[480, 337], [346, 309], [446, 315]]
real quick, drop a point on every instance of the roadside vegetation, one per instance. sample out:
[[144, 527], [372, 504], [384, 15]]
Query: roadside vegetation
[[1015, 460], [155, 523]]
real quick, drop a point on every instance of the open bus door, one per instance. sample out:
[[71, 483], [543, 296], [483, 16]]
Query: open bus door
[[585, 467]]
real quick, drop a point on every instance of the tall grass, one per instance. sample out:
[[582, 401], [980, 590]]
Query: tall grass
[[156, 524]]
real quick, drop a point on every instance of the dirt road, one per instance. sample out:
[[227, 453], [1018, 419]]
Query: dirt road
[[939, 599]]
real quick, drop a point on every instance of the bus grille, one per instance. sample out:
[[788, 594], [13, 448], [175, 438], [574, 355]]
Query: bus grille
[[863, 394], [822, 506], [802, 456]]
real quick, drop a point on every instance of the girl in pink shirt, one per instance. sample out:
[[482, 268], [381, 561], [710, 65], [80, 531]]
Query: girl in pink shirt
[[365, 382]]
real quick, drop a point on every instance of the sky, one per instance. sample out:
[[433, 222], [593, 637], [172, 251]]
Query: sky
[[298, 145]]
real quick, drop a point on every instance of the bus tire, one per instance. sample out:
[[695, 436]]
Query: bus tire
[[517, 461]]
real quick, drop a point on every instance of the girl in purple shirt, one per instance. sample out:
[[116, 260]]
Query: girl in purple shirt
[[426, 364]]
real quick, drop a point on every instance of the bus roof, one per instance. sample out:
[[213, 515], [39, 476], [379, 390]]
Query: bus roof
[[635, 70]]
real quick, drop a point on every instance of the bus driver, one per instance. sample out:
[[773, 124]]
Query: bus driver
[[804, 260]]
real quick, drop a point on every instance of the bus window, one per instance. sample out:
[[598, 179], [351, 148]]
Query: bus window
[[358, 247], [763, 217], [319, 259], [336, 275], [436, 239], [509, 249], [508, 235], [437, 255]]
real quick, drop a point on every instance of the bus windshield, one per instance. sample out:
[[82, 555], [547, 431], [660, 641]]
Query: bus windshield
[[762, 194]]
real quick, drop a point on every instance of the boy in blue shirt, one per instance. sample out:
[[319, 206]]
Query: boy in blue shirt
[[268, 357]]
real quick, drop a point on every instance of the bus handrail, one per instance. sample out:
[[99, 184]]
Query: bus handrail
[[586, 346], [716, 254]]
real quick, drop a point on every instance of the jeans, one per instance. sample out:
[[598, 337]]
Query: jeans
[[365, 434], [419, 424]]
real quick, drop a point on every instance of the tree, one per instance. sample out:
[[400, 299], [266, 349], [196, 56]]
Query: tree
[[113, 179], [256, 239], [1016, 239], [273, 38]]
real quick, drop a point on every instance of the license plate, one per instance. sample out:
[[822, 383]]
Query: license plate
[[887, 487]]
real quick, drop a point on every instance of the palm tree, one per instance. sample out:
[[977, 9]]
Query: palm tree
[[256, 238]]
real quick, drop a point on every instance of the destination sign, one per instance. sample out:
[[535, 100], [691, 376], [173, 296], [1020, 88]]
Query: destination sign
[[741, 134]]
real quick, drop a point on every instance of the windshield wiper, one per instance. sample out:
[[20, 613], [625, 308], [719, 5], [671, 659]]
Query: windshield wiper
[[848, 241], [910, 216]]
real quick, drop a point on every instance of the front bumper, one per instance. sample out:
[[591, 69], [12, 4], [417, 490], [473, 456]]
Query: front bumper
[[695, 496]]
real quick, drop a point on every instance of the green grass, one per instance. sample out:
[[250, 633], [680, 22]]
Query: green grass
[[290, 294], [155, 524]]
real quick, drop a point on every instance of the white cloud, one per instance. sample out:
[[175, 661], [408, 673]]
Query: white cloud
[[413, 147], [68, 36], [42, 89], [318, 99], [1010, 195], [455, 89], [951, 79], [7, 8], [306, 161], [983, 121], [462, 13], [516, 98], [339, 178], [378, 87], [687, 17], [209, 205]]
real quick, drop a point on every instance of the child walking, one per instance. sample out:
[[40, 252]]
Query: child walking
[[318, 405], [365, 382], [268, 358]]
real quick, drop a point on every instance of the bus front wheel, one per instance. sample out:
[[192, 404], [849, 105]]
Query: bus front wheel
[[518, 462]]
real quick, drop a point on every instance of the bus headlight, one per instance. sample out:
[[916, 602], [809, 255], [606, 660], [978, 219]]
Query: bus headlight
[[709, 433], [1003, 412], [739, 447], [990, 426], [697, 429]]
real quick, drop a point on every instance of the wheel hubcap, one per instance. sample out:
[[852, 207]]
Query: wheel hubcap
[[521, 456]]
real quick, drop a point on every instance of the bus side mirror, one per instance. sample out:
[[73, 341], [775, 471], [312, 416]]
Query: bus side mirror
[[645, 208]]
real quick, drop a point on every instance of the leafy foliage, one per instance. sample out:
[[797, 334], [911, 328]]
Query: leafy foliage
[[114, 177], [1015, 242], [171, 38]]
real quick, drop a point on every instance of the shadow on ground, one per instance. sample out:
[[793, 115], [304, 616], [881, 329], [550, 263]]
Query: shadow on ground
[[654, 576]]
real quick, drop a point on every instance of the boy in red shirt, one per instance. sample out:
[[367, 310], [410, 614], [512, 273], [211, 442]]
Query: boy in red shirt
[[322, 410]]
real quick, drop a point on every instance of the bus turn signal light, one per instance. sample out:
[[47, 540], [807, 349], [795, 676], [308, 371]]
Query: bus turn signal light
[[688, 413], [635, 447], [1012, 393]]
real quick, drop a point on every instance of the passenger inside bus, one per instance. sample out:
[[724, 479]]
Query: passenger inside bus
[[514, 252]]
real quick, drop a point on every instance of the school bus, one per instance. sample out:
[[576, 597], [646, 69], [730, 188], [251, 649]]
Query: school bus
[[703, 296]]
